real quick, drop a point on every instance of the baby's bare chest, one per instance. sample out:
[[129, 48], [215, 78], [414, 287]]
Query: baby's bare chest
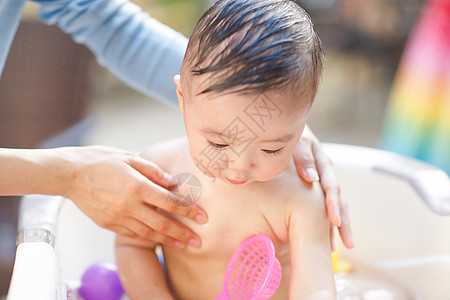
[[231, 221], [234, 217]]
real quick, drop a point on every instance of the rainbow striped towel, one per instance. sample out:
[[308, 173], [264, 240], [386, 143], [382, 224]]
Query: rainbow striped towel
[[418, 116]]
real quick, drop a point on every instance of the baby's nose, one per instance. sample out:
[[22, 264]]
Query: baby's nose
[[241, 163]]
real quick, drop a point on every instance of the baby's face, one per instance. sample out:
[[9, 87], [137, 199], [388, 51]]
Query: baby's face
[[241, 138]]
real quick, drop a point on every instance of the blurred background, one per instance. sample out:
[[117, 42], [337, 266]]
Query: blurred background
[[50, 83]]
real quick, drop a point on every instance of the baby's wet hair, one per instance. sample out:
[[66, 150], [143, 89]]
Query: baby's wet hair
[[255, 46]]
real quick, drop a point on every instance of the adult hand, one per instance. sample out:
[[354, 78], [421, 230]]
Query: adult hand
[[127, 194], [313, 164]]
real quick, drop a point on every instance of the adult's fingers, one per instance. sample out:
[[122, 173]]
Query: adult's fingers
[[310, 152], [332, 238], [304, 160], [151, 170], [169, 202], [330, 185], [143, 231], [158, 196], [122, 230], [154, 223], [345, 230]]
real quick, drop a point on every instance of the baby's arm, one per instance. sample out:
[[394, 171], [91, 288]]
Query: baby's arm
[[139, 270], [309, 239]]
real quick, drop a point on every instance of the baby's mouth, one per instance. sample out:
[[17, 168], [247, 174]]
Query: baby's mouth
[[237, 182]]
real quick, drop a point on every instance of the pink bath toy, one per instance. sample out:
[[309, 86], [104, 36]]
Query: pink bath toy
[[253, 272]]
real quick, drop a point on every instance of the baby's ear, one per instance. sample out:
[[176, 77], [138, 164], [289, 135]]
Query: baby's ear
[[177, 81]]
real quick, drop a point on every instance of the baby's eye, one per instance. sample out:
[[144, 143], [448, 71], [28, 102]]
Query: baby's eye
[[272, 151], [219, 146]]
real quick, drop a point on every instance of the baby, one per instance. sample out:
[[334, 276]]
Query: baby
[[248, 79]]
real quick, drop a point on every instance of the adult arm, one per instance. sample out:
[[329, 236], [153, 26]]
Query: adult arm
[[136, 48], [110, 186], [10, 12]]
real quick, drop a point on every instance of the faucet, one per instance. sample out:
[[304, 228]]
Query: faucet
[[432, 184]]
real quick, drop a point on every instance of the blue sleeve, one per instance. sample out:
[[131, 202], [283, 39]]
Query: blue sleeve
[[136, 48], [10, 13]]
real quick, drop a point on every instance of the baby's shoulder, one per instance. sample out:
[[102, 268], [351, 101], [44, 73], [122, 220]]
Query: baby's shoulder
[[297, 193], [166, 154], [288, 196]]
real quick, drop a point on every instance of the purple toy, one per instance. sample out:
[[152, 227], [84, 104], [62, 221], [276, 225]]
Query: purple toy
[[101, 282]]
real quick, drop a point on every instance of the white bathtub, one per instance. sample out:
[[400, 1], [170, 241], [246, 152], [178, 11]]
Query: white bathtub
[[399, 209]]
